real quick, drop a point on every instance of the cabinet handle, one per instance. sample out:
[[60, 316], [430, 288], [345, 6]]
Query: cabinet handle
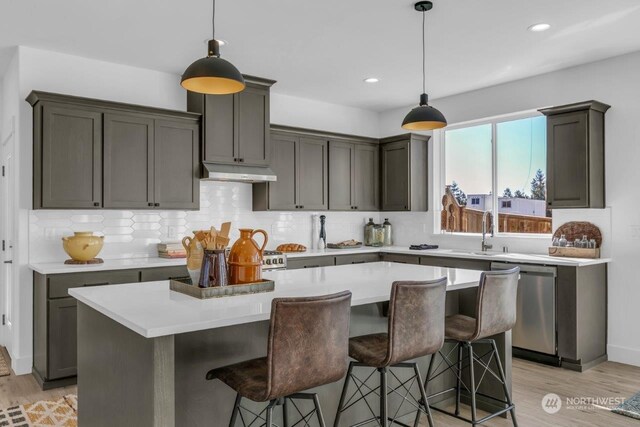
[[156, 204], [150, 204], [95, 284], [235, 159], [241, 160], [302, 207], [96, 204], [405, 207]]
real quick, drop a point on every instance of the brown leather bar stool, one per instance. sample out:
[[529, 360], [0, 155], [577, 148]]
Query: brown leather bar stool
[[495, 314], [307, 347], [416, 328]]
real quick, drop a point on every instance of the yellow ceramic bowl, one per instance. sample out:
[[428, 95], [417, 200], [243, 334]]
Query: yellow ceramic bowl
[[83, 245]]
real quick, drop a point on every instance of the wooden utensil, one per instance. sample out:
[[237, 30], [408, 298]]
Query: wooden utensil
[[225, 228]]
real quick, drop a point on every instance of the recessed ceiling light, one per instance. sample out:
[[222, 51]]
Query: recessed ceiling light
[[371, 80], [537, 28]]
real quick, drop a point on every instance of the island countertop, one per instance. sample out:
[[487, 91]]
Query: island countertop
[[152, 310]]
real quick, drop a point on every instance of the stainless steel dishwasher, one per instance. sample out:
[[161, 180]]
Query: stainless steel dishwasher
[[535, 328]]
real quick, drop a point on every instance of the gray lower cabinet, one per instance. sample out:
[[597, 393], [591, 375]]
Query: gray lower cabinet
[[176, 165], [55, 321], [301, 165], [353, 176], [128, 161], [357, 259], [310, 262], [143, 157], [67, 157], [404, 173], [575, 155]]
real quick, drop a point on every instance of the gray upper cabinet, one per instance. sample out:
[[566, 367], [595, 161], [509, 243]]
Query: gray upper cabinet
[[67, 157], [342, 176], [353, 176], [235, 127], [404, 173], [301, 164], [312, 174], [253, 126], [219, 143], [176, 165], [282, 194], [128, 161], [142, 157], [575, 155]]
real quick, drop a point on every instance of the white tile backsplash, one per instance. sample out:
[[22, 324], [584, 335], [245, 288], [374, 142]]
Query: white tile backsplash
[[135, 233]]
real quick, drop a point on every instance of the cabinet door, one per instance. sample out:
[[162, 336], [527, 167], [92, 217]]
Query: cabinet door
[[312, 173], [396, 195], [567, 160], [176, 181], [128, 161], [253, 126], [71, 157], [341, 175], [220, 142], [62, 338], [282, 193], [367, 179]]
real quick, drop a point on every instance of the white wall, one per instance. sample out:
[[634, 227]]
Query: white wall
[[614, 81], [310, 114], [73, 75]]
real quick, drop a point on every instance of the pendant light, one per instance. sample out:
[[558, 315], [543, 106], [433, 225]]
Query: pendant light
[[213, 75], [424, 117]]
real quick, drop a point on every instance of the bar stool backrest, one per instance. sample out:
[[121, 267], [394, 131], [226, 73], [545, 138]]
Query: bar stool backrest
[[416, 319], [308, 342], [496, 302]]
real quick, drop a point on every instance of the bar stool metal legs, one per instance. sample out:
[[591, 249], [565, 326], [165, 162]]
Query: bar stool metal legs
[[470, 362], [266, 415], [403, 390]]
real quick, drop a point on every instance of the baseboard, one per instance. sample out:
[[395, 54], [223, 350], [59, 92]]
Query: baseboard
[[626, 355], [21, 365]]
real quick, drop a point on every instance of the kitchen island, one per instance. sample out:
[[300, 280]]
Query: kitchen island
[[143, 350]]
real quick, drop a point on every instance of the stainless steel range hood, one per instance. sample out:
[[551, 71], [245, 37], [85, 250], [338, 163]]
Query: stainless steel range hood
[[237, 173]]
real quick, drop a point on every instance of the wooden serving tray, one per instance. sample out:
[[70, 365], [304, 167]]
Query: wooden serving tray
[[563, 251], [336, 246], [185, 287]]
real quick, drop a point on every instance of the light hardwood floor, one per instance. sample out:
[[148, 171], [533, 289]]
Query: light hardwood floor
[[531, 382]]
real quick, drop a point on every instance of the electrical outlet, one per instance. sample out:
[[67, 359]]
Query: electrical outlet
[[634, 232]]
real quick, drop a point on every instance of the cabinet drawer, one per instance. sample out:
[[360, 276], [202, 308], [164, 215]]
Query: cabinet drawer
[[60, 283], [468, 264], [357, 259], [320, 261], [403, 259], [163, 273]]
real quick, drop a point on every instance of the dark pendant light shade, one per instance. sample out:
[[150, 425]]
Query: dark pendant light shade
[[213, 75], [424, 117]]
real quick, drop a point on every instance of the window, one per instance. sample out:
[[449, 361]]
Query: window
[[504, 157]]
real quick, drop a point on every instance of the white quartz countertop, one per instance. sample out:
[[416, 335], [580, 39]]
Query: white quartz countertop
[[457, 253], [152, 262], [152, 310]]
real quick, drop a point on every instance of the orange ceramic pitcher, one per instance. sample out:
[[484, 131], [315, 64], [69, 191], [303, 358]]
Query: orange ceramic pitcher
[[245, 258]]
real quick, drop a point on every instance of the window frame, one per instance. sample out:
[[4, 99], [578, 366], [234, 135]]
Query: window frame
[[493, 121]]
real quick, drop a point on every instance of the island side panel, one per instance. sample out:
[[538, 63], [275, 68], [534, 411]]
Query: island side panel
[[123, 378]]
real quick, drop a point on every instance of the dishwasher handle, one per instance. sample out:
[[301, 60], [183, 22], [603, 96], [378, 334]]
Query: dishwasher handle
[[537, 270]]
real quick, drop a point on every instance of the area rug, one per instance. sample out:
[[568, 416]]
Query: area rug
[[4, 365], [630, 407], [49, 413]]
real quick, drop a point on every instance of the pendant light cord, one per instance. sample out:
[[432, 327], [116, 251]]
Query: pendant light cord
[[423, 53], [213, 21]]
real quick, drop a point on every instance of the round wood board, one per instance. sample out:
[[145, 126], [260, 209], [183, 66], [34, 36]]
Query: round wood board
[[576, 229]]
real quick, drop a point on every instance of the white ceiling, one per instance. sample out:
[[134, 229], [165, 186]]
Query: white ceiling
[[323, 49]]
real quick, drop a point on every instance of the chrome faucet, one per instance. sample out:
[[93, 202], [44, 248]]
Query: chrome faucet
[[485, 245]]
